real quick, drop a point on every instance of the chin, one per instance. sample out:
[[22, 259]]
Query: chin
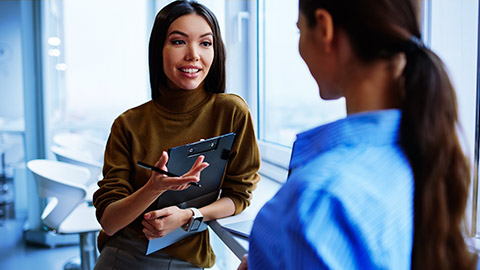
[[328, 96], [187, 87], [190, 88], [192, 85]]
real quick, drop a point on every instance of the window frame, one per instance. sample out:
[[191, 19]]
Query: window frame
[[476, 157], [275, 157]]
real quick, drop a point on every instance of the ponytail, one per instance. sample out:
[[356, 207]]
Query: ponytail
[[441, 171]]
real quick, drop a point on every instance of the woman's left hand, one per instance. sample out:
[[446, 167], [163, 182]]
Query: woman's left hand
[[159, 223]]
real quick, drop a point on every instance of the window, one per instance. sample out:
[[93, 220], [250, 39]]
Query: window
[[288, 96], [95, 63], [290, 101], [451, 31]]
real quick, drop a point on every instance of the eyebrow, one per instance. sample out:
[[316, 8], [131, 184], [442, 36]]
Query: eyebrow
[[185, 35]]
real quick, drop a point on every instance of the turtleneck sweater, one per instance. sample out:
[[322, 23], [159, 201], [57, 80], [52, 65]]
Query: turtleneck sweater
[[175, 118]]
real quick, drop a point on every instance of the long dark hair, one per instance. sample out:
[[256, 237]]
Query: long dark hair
[[380, 29], [215, 80]]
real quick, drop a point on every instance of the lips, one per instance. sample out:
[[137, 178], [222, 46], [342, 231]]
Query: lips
[[190, 69]]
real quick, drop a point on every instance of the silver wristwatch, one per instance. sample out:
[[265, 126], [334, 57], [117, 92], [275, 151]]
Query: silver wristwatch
[[195, 221]]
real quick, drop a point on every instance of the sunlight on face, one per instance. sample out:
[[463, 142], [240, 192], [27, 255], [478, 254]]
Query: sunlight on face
[[188, 52]]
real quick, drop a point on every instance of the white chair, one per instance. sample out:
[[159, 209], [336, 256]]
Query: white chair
[[88, 147], [67, 211], [79, 158], [82, 150]]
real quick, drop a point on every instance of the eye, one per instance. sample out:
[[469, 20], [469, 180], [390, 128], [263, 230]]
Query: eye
[[177, 42], [206, 43]]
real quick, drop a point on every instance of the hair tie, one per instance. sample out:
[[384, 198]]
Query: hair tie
[[414, 44], [418, 42]]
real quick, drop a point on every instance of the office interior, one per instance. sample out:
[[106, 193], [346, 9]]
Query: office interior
[[68, 68]]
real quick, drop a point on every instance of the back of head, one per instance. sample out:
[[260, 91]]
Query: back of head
[[215, 80], [381, 29]]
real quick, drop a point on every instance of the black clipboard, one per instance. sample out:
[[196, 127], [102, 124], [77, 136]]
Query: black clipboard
[[216, 151]]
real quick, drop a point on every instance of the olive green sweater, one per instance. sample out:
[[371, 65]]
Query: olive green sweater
[[175, 118]]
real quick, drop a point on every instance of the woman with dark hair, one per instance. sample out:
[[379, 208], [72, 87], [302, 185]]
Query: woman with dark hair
[[386, 187], [187, 76]]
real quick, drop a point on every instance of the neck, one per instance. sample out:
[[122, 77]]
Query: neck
[[373, 86], [179, 100]]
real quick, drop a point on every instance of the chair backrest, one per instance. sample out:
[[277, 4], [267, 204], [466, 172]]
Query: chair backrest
[[61, 181], [87, 146], [77, 158]]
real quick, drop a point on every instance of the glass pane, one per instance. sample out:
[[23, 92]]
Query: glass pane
[[454, 38], [453, 35], [290, 100], [95, 62]]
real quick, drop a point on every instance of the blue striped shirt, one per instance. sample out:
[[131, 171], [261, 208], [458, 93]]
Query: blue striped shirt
[[347, 204]]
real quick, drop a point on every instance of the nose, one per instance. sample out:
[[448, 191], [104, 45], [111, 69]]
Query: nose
[[192, 53]]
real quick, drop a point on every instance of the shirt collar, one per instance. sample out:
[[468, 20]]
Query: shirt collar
[[373, 128]]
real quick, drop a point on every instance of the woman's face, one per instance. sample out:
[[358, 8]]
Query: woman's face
[[188, 52]]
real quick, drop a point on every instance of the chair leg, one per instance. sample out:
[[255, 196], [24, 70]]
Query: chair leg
[[88, 250]]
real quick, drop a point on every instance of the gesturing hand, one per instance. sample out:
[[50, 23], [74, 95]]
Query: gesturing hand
[[159, 223], [163, 182]]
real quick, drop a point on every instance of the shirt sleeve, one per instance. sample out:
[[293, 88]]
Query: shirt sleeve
[[241, 176], [116, 169], [321, 235]]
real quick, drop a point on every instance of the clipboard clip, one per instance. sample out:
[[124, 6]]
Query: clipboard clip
[[202, 147]]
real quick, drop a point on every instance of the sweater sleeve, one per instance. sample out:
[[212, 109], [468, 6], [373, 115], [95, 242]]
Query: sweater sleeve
[[116, 169], [241, 175]]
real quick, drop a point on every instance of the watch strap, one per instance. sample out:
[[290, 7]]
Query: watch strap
[[196, 212], [196, 221]]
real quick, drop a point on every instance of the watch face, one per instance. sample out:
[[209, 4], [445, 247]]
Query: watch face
[[195, 225]]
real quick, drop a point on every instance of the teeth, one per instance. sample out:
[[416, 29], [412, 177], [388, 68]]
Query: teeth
[[190, 70]]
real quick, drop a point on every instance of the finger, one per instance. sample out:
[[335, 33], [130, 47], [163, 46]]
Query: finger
[[162, 161], [182, 187], [175, 182], [157, 213], [165, 156], [199, 160], [153, 230], [148, 231], [245, 259], [242, 266], [148, 225], [185, 186], [244, 263], [195, 165], [149, 235], [196, 169]]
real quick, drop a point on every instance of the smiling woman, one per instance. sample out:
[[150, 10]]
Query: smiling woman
[[187, 77]]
